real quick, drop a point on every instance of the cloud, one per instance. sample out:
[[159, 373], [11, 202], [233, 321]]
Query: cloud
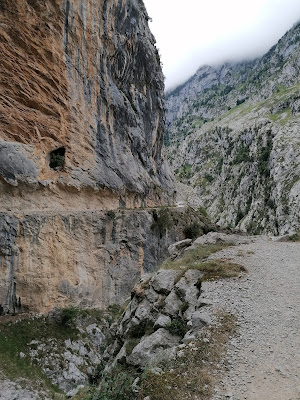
[[192, 33]]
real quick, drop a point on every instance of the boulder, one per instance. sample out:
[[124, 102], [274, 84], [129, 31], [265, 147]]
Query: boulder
[[152, 348], [163, 281], [200, 318], [188, 290], [173, 304], [143, 311], [73, 392], [162, 321], [219, 237], [177, 248]]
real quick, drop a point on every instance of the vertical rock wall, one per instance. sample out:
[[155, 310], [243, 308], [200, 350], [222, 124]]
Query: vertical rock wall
[[81, 133], [85, 76]]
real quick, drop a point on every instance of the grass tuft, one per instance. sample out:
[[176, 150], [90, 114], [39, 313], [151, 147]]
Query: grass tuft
[[197, 259]]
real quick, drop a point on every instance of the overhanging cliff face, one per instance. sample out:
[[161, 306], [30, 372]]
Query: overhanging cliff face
[[81, 132], [83, 76]]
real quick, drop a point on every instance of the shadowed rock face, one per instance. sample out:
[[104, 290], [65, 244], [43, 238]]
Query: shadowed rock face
[[81, 132]]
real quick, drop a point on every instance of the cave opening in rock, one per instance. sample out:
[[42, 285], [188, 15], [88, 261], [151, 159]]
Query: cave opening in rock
[[57, 158]]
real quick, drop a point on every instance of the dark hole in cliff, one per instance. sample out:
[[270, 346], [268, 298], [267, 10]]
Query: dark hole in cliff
[[57, 158]]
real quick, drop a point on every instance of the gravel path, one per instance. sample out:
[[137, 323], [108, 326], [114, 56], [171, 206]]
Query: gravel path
[[263, 359]]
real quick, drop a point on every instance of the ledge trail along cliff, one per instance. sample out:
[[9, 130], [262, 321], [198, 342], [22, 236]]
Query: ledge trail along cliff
[[87, 204], [81, 152]]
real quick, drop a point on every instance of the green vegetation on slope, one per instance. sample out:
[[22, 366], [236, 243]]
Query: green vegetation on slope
[[197, 259]]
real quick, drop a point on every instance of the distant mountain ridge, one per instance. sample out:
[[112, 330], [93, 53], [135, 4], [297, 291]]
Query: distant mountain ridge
[[232, 134]]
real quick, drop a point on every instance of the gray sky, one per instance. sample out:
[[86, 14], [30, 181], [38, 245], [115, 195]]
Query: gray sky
[[191, 33]]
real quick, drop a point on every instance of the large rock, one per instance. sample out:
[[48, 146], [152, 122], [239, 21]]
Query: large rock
[[87, 259], [100, 101], [172, 304], [177, 248], [188, 290], [151, 349], [163, 280], [200, 318], [162, 321], [221, 238], [178, 311]]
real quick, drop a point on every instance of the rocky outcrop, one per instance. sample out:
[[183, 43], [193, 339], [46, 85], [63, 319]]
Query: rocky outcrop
[[165, 310], [81, 135], [164, 317], [63, 348], [232, 136]]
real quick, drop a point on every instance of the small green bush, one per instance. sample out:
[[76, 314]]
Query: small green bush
[[295, 237], [162, 220], [69, 314], [209, 178], [192, 231], [242, 155], [111, 214], [177, 327], [202, 211], [117, 385]]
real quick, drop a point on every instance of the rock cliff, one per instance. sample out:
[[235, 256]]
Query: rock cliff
[[111, 352], [81, 134], [88, 259], [232, 132]]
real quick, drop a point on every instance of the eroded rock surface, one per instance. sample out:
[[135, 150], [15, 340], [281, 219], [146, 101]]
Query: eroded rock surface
[[81, 137], [87, 259], [85, 77]]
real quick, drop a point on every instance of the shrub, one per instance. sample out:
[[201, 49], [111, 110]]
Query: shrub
[[242, 155], [202, 211], [111, 214], [192, 231], [209, 178], [295, 237], [177, 327], [94, 378], [69, 314], [162, 220], [117, 385]]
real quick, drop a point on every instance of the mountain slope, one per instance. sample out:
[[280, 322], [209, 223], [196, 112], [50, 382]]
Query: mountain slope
[[232, 134]]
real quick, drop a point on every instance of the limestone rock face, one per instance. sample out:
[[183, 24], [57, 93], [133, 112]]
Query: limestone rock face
[[81, 137], [83, 76], [232, 132], [88, 258]]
